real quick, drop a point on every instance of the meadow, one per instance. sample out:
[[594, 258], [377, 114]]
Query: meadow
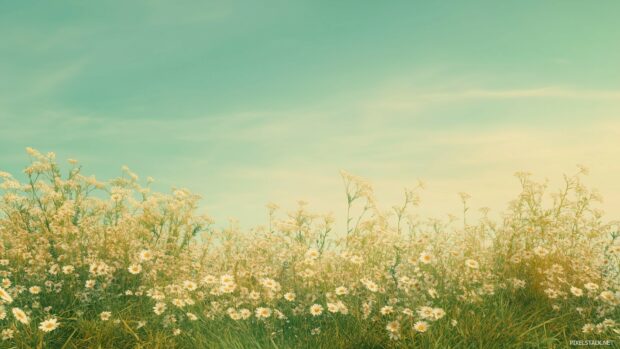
[[86, 263]]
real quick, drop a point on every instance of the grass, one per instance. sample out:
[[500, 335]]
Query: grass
[[118, 266]]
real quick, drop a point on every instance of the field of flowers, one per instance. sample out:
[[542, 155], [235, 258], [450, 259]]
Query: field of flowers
[[92, 264]]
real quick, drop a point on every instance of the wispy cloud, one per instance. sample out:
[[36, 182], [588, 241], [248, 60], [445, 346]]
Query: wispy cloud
[[401, 98], [537, 92]]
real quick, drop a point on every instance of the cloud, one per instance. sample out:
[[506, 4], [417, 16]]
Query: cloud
[[411, 100], [541, 92], [240, 161]]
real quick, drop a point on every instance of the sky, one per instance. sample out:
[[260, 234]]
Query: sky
[[250, 102]]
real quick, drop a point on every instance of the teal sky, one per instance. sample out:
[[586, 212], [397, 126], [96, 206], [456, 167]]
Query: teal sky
[[258, 101]]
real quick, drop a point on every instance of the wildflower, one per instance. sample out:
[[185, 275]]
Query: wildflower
[[190, 285], [432, 292], [315, 331], [426, 257], [386, 310], [600, 328], [7, 334], [159, 308], [393, 326], [68, 269], [5, 296], [609, 323], [370, 285], [356, 260], [99, 268], [312, 253], [145, 255], [233, 314], [470, 263], [134, 269], [608, 297], [271, 284], [262, 312], [551, 293], [590, 286], [342, 308], [20, 316], [178, 302], [90, 283], [332, 307], [228, 288], [289, 296], [425, 312], [408, 312], [576, 291], [176, 331], [489, 289], [254, 295], [366, 309], [516, 283], [280, 315], [587, 328], [105, 315], [191, 316], [245, 313], [209, 279], [438, 313], [227, 279], [34, 289], [48, 325], [420, 326], [341, 291], [453, 322], [316, 309], [540, 251]]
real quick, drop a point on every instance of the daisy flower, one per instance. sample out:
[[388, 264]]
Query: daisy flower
[[316, 309], [134, 269], [20, 316], [420, 326], [48, 325]]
